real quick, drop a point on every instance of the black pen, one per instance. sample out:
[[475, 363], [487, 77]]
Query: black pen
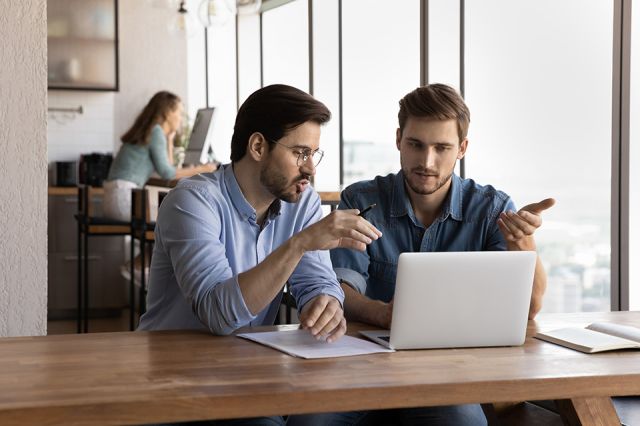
[[367, 209]]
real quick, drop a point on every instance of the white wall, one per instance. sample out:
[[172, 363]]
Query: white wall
[[195, 71], [151, 59], [70, 134], [23, 188]]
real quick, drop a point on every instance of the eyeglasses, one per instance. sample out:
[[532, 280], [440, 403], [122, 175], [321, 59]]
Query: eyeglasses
[[305, 154]]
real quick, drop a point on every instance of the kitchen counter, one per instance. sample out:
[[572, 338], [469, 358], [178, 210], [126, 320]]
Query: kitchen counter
[[69, 190]]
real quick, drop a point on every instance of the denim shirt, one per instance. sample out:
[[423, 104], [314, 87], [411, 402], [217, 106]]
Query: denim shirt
[[206, 234], [467, 222]]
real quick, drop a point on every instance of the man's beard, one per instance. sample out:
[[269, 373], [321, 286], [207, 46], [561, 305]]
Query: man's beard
[[418, 189], [277, 184]]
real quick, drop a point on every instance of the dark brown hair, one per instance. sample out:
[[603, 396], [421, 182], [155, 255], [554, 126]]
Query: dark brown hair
[[438, 102], [161, 104], [273, 111]]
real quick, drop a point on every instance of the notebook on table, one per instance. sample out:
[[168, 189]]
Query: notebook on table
[[596, 337], [460, 299]]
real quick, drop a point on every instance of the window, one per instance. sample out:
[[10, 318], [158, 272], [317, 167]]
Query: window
[[326, 88], [538, 80], [380, 64], [222, 87], [539, 91], [285, 44], [248, 56], [444, 42]]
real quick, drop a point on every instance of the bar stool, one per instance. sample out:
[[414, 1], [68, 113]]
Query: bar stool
[[287, 305], [142, 229], [90, 226]]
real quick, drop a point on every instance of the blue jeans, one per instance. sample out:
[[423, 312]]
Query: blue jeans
[[450, 415]]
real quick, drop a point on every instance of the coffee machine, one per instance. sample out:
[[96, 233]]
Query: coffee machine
[[65, 173]]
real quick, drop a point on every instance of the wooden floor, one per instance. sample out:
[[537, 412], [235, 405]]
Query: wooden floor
[[96, 325]]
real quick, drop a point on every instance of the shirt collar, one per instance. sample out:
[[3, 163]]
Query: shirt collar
[[453, 202], [238, 199], [401, 205]]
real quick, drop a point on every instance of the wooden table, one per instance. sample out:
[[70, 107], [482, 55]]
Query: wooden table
[[145, 377]]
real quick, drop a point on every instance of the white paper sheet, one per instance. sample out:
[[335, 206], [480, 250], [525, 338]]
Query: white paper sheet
[[302, 344]]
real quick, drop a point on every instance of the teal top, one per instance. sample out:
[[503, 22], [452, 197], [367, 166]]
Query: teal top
[[135, 163]]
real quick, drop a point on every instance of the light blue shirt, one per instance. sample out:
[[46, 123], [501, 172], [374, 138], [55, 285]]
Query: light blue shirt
[[206, 234], [467, 222]]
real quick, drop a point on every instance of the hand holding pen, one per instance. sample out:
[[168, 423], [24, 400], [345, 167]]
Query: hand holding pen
[[341, 228], [366, 209]]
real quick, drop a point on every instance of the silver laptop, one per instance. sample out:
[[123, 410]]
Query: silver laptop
[[460, 299], [200, 139]]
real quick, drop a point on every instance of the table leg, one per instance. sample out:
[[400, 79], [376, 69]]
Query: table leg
[[520, 414], [588, 411]]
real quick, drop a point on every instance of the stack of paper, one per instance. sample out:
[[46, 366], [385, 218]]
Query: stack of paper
[[302, 344]]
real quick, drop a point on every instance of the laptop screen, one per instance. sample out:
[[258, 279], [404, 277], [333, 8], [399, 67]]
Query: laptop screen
[[462, 299], [199, 141]]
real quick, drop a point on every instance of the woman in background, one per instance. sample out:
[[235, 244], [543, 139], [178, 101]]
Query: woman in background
[[146, 147]]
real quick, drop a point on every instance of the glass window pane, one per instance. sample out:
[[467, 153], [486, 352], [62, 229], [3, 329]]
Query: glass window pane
[[634, 161], [196, 97], [222, 87], [538, 85], [326, 89], [381, 63], [444, 42], [285, 45], [248, 55]]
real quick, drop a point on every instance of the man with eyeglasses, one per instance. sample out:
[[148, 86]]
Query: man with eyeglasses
[[226, 242]]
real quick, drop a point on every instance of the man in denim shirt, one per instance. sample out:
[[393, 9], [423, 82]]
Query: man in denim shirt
[[226, 242], [426, 207]]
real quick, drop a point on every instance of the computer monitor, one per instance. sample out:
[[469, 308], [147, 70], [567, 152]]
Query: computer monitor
[[200, 139]]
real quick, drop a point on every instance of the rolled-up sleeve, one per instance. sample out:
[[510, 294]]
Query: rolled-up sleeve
[[495, 240], [190, 227], [314, 274], [351, 266]]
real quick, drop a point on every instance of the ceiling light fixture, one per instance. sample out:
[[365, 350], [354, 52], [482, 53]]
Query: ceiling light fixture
[[248, 7], [216, 12], [183, 22]]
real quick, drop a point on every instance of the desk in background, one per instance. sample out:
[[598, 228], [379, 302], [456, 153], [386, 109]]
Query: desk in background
[[170, 376]]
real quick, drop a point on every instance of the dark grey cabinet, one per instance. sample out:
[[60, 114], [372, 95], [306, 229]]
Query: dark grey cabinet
[[107, 288]]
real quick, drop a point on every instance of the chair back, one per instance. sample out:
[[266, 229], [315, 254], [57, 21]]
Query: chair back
[[85, 208], [140, 211], [140, 214], [161, 196], [90, 225]]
